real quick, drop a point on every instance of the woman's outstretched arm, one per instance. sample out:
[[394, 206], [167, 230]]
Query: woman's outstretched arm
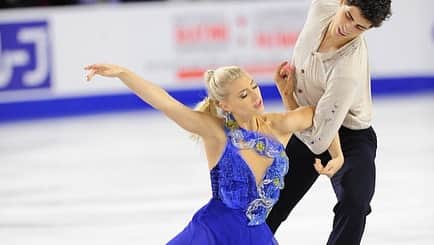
[[195, 122]]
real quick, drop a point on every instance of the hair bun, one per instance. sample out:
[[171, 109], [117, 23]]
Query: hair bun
[[209, 74]]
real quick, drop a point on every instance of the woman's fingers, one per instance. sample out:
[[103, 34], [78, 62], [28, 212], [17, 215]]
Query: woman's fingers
[[287, 70], [92, 66], [105, 70], [283, 64], [329, 172], [329, 167], [90, 74], [280, 68], [94, 69], [318, 166]]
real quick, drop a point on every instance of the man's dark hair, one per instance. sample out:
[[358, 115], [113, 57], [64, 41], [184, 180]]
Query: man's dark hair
[[376, 11]]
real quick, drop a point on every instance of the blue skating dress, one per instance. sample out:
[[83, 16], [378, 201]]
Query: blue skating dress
[[238, 208]]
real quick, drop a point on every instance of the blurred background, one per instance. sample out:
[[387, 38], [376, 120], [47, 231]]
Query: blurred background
[[89, 163]]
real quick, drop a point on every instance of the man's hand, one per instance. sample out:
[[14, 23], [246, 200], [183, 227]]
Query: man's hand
[[331, 168]]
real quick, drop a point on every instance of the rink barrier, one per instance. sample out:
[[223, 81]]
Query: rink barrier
[[74, 106]]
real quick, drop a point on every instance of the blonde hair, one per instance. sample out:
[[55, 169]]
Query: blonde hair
[[216, 82]]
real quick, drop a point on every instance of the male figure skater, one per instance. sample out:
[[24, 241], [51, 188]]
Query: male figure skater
[[331, 72]]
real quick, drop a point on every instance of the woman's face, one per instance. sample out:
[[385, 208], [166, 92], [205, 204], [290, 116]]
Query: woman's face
[[244, 98], [348, 22]]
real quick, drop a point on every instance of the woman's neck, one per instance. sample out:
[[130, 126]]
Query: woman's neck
[[248, 123]]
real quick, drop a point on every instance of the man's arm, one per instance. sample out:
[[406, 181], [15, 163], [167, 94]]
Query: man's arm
[[330, 113], [285, 80], [335, 149], [335, 162]]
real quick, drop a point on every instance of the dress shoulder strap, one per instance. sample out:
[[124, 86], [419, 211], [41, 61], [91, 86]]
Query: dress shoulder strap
[[241, 138]]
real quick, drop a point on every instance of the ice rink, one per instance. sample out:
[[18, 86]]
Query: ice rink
[[137, 178]]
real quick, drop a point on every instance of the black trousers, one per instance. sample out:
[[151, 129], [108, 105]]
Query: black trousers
[[353, 184]]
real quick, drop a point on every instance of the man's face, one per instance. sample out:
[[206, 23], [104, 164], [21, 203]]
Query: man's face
[[348, 22]]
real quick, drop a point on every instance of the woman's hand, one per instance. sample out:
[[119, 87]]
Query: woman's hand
[[331, 168], [285, 78], [106, 70], [285, 81]]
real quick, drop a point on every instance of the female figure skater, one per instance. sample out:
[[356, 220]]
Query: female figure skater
[[244, 148]]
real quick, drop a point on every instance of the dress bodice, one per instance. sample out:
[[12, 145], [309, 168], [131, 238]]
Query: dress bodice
[[233, 181]]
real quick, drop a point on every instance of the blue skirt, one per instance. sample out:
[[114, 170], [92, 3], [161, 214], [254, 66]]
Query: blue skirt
[[217, 224]]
